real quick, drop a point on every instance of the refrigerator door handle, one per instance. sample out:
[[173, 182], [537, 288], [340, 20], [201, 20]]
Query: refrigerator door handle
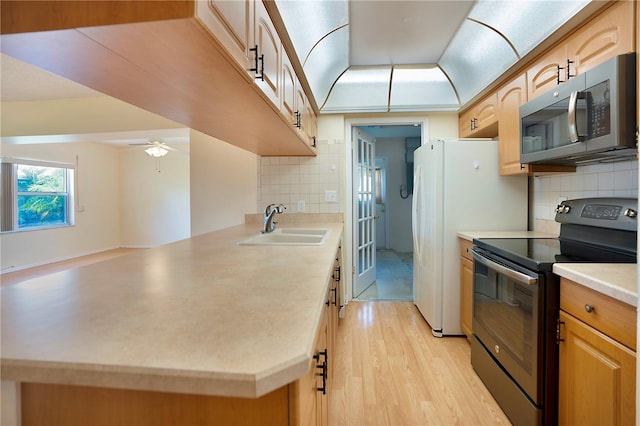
[[515, 275], [414, 213]]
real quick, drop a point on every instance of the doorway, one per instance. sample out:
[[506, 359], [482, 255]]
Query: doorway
[[389, 180]]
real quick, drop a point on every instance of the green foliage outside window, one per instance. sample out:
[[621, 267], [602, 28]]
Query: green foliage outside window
[[42, 196]]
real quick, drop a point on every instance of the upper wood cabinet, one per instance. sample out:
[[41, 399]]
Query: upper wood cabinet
[[480, 120], [269, 51], [289, 87], [609, 34], [542, 75], [305, 119], [510, 97], [231, 22]]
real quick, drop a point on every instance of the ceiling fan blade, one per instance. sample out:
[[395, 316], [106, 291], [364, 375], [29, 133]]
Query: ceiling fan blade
[[170, 148]]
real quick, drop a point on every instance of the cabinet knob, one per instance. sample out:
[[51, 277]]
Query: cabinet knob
[[589, 308]]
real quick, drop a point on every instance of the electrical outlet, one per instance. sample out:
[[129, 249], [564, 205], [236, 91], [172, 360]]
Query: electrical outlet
[[330, 196], [301, 207]]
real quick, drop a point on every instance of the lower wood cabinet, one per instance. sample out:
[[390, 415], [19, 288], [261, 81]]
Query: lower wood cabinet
[[597, 372], [466, 287]]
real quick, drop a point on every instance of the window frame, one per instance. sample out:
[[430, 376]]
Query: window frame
[[9, 194]]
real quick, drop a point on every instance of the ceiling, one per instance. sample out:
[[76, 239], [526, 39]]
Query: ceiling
[[396, 55]]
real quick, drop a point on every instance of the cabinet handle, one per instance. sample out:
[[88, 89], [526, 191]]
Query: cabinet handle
[[257, 58], [558, 81], [314, 142], [336, 274], [324, 367], [559, 338], [589, 308], [569, 75], [298, 123], [335, 296]]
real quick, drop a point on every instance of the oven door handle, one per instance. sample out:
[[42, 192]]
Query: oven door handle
[[518, 276]]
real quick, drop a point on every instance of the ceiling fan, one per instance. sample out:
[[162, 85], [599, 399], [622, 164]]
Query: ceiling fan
[[157, 149]]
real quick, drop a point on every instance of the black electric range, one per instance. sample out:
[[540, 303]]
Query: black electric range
[[517, 296]]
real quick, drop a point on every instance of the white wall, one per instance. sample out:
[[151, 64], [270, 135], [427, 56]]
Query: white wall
[[223, 184], [397, 209], [618, 179], [154, 197], [97, 228]]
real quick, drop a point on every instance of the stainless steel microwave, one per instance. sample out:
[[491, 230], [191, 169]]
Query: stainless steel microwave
[[591, 117]]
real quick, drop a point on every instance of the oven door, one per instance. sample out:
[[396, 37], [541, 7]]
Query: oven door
[[508, 318]]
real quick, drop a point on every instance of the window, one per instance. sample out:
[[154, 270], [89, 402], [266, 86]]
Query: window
[[35, 194]]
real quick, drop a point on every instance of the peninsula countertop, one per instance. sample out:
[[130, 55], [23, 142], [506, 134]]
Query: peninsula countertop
[[201, 316]]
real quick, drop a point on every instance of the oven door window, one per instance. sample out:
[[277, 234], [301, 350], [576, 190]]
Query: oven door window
[[507, 320]]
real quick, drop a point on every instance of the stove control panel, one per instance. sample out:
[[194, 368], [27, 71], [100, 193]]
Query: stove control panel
[[614, 213]]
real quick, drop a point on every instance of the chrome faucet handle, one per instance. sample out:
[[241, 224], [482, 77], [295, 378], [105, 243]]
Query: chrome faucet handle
[[267, 210], [281, 208]]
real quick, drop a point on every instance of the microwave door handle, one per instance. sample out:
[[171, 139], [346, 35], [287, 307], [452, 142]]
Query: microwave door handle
[[518, 276], [573, 123]]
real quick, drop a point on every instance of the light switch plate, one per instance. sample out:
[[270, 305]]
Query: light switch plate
[[301, 206]]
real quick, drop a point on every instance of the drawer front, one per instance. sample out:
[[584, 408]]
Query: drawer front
[[464, 245], [607, 315]]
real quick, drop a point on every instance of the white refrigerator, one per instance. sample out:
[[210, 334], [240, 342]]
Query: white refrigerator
[[456, 188]]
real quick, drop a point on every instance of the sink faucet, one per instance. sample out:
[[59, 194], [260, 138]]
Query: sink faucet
[[270, 213]]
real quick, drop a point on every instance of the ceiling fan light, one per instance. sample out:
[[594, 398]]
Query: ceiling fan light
[[156, 151]]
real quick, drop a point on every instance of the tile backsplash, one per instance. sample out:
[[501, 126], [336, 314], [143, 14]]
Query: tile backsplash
[[619, 179], [289, 180]]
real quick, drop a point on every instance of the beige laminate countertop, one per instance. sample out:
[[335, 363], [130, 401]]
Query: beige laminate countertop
[[202, 315], [617, 280], [470, 235]]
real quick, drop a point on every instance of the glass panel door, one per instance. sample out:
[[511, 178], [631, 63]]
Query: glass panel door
[[364, 205]]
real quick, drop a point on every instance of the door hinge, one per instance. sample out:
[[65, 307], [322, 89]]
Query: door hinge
[[559, 338]]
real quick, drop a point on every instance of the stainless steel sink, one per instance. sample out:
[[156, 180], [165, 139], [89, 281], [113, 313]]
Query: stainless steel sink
[[289, 237]]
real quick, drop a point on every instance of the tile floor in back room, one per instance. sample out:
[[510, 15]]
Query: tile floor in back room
[[394, 277]]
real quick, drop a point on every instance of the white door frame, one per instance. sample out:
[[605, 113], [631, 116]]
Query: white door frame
[[348, 239]]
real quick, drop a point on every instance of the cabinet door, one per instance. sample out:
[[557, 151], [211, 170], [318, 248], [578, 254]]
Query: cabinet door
[[609, 34], [510, 97], [597, 377], [270, 47], [231, 23], [480, 120], [289, 87], [322, 398], [310, 125], [466, 296], [542, 75], [466, 123], [301, 105], [486, 114]]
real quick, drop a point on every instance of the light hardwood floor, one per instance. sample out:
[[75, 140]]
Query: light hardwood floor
[[390, 370]]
